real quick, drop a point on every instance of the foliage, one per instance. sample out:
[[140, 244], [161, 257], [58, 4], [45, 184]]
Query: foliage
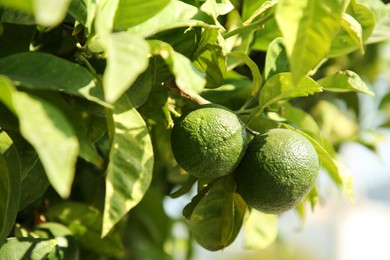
[[89, 90]]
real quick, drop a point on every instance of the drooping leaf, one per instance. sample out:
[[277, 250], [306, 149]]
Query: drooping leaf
[[354, 29], [217, 217], [28, 248], [133, 12], [85, 223], [48, 131], [256, 75], [345, 81], [139, 91], [276, 60], [260, 230], [340, 175], [175, 14], [188, 78], [127, 58], [10, 172], [210, 58], [281, 86], [308, 28], [43, 71], [129, 171]]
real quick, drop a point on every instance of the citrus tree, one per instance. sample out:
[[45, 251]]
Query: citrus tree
[[259, 94]]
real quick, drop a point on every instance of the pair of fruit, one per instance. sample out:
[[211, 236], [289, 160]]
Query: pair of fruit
[[273, 172]]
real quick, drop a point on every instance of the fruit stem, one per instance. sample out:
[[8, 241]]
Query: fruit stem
[[191, 96]]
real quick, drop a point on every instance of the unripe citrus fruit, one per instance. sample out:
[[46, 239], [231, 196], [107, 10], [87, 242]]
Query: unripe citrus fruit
[[209, 141], [279, 168]]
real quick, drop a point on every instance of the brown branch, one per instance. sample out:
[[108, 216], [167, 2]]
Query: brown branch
[[191, 96]]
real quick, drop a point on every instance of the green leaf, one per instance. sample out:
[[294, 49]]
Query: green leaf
[[48, 131], [33, 185], [354, 29], [381, 13], [281, 86], [303, 121], [28, 248], [217, 217], [140, 90], [267, 8], [9, 185], [133, 12], [130, 168], [260, 230], [78, 11], [308, 28], [340, 175], [43, 71], [188, 78], [15, 16], [276, 60], [85, 222], [215, 9], [345, 81], [127, 58], [210, 58], [175, 14], [256, 75]]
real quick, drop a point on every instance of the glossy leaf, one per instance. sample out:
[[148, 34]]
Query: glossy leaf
[[41, 71], [175, 14], [78, 10], [345, 81], [48, 131], [125, 53], [187, 77], [340, 175], [133, 12], [354, 29], [308, 28], [210, 58], [276, 60], [130, 168], [260, 230], [217, 217], [10, 178], [281, 86], [28, 248], [85, 223]]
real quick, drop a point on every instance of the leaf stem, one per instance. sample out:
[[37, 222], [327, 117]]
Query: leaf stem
[[191, 96], [247, 28]]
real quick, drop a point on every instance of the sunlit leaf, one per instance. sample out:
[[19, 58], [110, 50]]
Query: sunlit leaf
[[308, 28], [345, 81], [127, 58], [260, 230], [10, 178], [215, 9], [281, 86], [354, 29], [175, 14], [129, 171], [41, 71], [85, 223], [133, 12], [276, 60], [28, 248], [48, 131], [187, 77]]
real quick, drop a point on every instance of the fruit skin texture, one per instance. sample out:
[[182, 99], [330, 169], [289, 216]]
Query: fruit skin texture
[[279, 168], [209, 141]]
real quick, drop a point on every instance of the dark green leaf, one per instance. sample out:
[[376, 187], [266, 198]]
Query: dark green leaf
[[85, 224], [43, 71], [28, 248], [276, 60], [15, 38], [127, 58], [308, 28], [133, 12], [217, 217], [281, 86], [16, 17], [139, 91], [345, 81], [130, 168], [78, 10], [9, 185], [48, 131]]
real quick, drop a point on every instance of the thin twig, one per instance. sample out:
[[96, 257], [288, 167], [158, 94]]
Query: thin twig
[[191, 96]]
